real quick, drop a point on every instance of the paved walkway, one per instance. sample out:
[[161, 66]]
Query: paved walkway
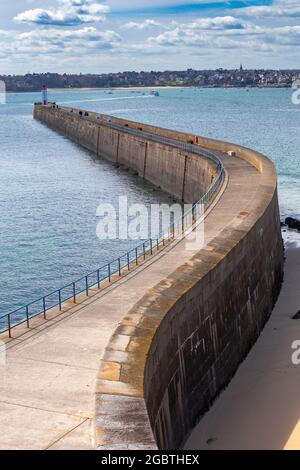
[[47, 385], [261, 407]]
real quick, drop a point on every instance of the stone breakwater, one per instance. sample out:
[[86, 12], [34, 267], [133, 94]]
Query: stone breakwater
[[139, 147], [181, 342]]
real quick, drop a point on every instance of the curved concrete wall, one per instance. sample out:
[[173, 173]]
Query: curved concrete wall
[[203, 337], [186, 337], [180, 345]]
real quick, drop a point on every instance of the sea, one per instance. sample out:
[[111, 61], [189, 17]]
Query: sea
[[50, 188]]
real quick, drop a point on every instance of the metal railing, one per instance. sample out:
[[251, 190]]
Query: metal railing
[[126, 262]]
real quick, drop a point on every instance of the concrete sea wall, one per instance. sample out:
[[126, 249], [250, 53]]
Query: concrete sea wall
[[180, 173], [211, 327], [179, 346]]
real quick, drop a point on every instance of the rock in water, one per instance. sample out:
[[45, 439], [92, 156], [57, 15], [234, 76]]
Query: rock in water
[[293, 223]]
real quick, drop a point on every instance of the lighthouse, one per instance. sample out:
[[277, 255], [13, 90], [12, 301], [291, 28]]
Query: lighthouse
[[44, 95]]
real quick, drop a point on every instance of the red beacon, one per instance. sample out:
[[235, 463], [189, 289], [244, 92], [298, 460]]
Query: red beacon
[[44, 95]]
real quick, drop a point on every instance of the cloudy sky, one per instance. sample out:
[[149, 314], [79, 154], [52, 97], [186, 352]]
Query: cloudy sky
[[114, 35]]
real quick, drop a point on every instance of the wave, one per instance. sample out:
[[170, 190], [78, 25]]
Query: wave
[[107, 99]]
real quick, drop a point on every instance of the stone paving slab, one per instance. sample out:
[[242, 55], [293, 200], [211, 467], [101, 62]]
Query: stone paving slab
[[24, 428]]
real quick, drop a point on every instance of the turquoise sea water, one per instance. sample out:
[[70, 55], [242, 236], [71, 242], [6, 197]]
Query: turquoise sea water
[[50, 188]]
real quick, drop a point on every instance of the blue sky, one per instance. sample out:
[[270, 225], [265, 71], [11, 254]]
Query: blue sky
[[114, 35]]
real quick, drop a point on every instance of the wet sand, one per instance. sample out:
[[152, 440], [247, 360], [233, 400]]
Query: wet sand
[[129, 88], [260, 409]]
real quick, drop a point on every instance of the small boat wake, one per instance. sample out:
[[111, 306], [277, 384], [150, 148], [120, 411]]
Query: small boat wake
[[107, 99]]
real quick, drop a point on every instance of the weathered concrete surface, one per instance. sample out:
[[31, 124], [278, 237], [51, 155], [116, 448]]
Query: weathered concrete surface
[[108, 144], [132, 153], [260, 408], [224, 297], [190, 332], [182, 174], [48, 386], [179, 329]]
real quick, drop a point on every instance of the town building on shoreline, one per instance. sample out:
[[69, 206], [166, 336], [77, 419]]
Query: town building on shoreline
[[199, 78]]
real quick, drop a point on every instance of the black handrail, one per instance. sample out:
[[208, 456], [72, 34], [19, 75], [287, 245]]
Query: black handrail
[[128, 259]]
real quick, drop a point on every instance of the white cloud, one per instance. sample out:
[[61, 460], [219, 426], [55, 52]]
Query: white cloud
[[215, 37], [48, 42], [203, 33], [68, 13], [217, 23], [284, 36], [147, 24], [207, 31], [280, 8], [213, 34]]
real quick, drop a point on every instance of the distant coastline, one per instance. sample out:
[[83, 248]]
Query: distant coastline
[[158, 87], [220, 78]]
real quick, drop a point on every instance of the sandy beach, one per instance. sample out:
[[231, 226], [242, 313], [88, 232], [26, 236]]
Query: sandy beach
[[260, 409], [133, 88], [156, 87]]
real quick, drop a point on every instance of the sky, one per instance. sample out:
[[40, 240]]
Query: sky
[[102, 36]]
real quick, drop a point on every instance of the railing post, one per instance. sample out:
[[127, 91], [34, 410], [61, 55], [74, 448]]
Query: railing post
[[86, 286], [109, 273], [144, 251], [136, 256], [157, 244], [27, 316], [59, 300], [74, 292], [128, 261], [9, 325], [44, 307], [98, 278], [151, 246], [119, 264]]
